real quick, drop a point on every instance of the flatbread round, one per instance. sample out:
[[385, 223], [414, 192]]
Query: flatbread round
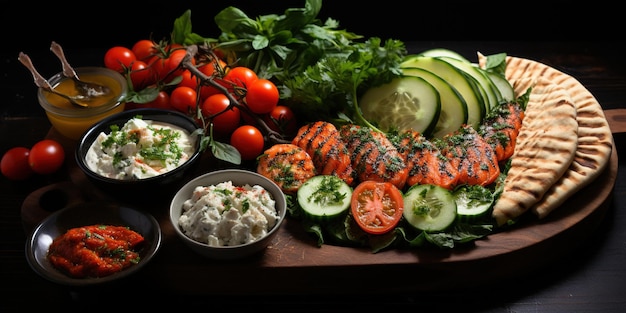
[[545, 147], [595, 140]]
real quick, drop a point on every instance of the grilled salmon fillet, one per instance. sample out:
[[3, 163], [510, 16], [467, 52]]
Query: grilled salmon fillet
[[373, 156], [424, 160], [501, 127], [330, 156], [287, 165], [472, 155]]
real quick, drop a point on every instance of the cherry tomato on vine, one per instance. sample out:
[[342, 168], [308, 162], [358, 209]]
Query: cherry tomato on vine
[[141, 75], [282, 119], [216, 69], [162, 101], [46, 156], [14, 164], [228, 120], [173, 62], [239, 76], [119, 58], [376, 206], [144, 49], [249, 141], [262, 96], [183, 99], [188, 80]]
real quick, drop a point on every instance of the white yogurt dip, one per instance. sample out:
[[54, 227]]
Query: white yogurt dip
[[228, 215], [140, 149]]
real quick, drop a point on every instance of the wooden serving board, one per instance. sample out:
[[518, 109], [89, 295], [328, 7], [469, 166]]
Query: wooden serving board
[[294, 264]]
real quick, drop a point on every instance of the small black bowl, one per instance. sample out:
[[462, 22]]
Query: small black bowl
[[85, 214], [154, 188]]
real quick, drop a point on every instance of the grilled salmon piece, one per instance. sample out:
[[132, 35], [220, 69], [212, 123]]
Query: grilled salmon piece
[[424, 160], [373, 156], [330, 156], [501, 127], [287, 165], [472, 155]]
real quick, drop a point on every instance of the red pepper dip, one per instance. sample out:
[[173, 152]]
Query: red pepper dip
[[95, 251]]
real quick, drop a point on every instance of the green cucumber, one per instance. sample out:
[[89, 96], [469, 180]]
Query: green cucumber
[[456, 78], [473, 202], [429, 208], [503, 85], [324, 197], [441, 52], [493, 96], [453, 106], [406, 102]]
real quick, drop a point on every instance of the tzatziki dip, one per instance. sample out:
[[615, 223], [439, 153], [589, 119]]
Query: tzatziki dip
[[139, 150], [228, 215]]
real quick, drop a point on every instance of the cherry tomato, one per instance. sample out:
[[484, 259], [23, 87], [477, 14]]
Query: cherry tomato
[[262, 96], [141, 75], [162, 101], [282, 119], [239, 76], [144, 49], [227, 120], [249, 141], [119, 58], [216, 69], [14, 164], [46, 156], [376, 206], [183, 99], [173, 62], [188, 80], [157, 64]]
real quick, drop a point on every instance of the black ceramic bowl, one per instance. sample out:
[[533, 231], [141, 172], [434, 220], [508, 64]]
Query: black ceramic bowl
[[158, 187], [85, 214]]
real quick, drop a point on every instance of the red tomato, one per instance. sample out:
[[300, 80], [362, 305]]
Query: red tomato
[[249, 141], [239, 76], [162, 101], [119, 58], [14, 164], [214, 69], [144, 49], [282, 119], [188, 79], [183, 99], [226, 122], [46, 156], [173, 61], [376, 206], [157, 64], [262, 96], [141, 75]]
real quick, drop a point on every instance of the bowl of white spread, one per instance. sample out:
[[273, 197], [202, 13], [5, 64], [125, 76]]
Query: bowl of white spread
[[228, 214], [138, 151]]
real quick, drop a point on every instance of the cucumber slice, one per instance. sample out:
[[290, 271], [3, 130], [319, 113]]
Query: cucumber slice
[[492, 94], [503, 85], [324, 197], [456, 78], [443, 52], [472, 202], [430, 208], [406, 102], [453, 106]]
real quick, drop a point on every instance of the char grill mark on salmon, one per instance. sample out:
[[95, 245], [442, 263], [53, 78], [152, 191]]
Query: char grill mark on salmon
[[287, 165], [501, 127], [330, 156], [424, 161], [373, 155], [473, 156]]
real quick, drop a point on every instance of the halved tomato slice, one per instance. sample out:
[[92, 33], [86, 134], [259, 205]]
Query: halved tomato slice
[[376, 206]]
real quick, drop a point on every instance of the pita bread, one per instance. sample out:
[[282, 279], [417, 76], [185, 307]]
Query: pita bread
[[545, 147], [595, 140]]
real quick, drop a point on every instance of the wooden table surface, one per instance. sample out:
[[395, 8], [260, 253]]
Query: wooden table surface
[[586, 275]]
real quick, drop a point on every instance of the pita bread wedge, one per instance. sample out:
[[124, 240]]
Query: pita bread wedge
[[545, 148], [595, 140]]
